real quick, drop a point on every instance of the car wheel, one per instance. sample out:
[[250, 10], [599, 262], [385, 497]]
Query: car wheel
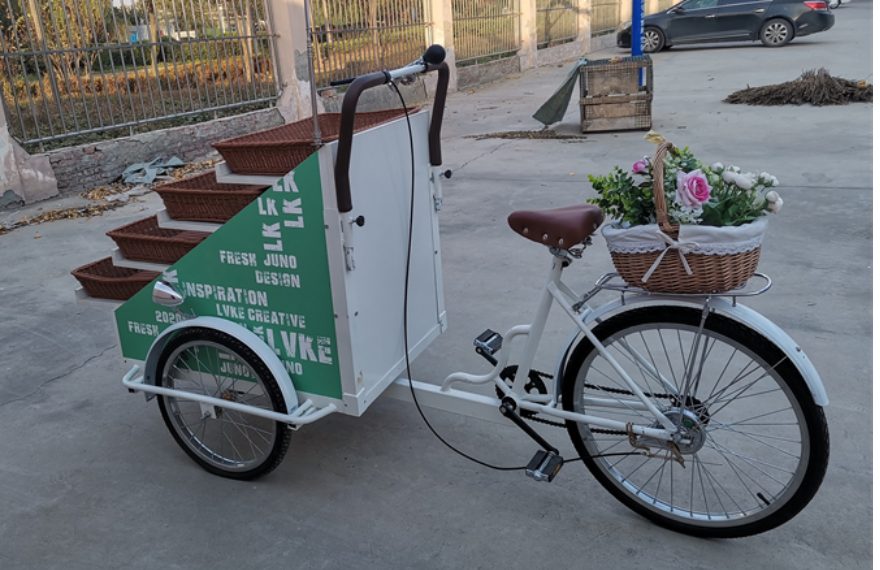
[[776, 32], [653, 40]]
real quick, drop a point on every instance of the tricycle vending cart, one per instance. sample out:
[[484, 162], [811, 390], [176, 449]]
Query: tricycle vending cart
[[690, 408], [291, 309]]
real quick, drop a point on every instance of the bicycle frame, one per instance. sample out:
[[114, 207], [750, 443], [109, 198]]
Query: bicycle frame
[[585, 317], [557, 291]]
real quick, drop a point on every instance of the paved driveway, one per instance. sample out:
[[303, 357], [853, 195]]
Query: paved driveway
[[89, 478]]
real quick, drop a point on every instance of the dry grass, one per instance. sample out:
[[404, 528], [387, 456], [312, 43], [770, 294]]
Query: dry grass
[[545, 134]]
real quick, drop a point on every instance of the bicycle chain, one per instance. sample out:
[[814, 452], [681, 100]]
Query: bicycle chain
[[610, 390], [539, 420]]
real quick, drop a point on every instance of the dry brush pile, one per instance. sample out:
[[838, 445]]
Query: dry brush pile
[[813, 87]]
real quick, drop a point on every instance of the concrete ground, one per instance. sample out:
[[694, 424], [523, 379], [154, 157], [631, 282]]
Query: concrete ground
[[89, 477]]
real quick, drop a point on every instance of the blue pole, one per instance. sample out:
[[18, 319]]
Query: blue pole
[[637, 27], [638, 20]]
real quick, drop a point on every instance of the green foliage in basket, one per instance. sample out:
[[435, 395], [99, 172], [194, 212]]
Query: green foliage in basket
[[696, 193]]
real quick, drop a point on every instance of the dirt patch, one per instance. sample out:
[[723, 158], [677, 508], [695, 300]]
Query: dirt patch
[[544, 134]]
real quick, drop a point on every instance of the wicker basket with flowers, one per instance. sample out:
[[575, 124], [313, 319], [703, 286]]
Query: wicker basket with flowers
[[681, 226]]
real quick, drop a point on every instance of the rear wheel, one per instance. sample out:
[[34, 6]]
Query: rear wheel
[[224, 442], [653, 40], [776, 32], [757, 445]]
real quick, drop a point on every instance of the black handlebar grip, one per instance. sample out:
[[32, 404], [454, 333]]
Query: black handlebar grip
[[434, 55], [434, 152], [338, 82], [346, 124], [346, 132]]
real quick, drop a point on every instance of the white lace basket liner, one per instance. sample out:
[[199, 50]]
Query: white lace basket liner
[[670, 258], [685, 254]]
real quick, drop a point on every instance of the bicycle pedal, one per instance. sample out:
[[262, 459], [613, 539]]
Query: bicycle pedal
[[544, 466], [489, 342]]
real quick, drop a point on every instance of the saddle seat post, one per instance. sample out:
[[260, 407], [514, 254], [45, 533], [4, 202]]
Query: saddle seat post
[[536, 328]]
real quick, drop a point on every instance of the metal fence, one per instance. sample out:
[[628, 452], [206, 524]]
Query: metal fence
[[77, 70], [352, 37], [605, 17], [556, 22], [485, 30]]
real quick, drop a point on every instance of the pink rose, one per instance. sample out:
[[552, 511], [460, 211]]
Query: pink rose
[[640, 166], [692, 189]]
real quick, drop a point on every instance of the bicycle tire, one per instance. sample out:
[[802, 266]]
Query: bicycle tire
[[264, 441], [768, 508]]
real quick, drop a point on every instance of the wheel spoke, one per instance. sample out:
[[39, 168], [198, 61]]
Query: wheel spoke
[[748, 421], [751, 461]]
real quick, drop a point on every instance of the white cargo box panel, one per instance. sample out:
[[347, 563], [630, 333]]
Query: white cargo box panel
[[368, 289], [278, 269]]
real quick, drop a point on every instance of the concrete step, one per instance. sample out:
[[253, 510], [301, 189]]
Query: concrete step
[[226, 176], [165, 221], [120, 261]]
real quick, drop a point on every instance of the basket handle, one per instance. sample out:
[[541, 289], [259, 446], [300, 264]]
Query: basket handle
[[659, 194]]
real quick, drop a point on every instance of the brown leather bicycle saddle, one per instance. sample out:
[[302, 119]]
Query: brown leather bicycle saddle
[[559, 227]]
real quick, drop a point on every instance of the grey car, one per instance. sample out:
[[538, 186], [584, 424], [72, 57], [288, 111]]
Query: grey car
[[772, 22]]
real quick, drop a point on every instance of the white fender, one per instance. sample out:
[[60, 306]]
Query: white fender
[[240, 333], [722, 306]]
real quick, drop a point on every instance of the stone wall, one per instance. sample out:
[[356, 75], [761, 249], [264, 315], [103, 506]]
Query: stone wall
[[86, 166], [480, 73]]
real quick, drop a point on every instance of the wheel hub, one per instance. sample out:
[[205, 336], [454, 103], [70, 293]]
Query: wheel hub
[[691, 436], [776, 33]]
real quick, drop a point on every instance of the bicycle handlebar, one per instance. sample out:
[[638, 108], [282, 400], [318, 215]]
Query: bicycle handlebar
[[432, 60]]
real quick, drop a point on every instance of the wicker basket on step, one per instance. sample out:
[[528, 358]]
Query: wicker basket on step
[[104, 280], [669, 258], [279, 150], [203, 199], [144, 240]]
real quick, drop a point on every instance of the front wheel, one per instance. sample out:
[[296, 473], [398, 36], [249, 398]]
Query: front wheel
[[223, 441], [757, 445], [653, 40], [776, 33]]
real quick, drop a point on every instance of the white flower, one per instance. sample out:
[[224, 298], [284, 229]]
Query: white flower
[[717, 167], [744, 181], [768, 179], [774, 201]]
